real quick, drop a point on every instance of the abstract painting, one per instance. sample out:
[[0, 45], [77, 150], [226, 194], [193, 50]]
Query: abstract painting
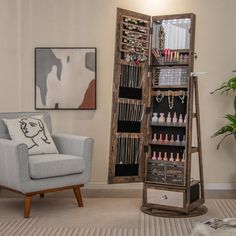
[[65, 78]]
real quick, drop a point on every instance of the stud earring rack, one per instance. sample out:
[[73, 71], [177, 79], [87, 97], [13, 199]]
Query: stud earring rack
[[154, 96]]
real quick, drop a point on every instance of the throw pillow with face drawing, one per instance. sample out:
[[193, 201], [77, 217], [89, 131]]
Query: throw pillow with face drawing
[[33, 132], [34, 129]]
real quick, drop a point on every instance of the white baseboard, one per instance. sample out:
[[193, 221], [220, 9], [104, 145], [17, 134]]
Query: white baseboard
[[220, 186], [104, 185], [139, 186]]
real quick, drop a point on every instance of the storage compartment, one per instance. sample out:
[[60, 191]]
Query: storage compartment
[[126, 170], [166, 172], [133, 93], [154, 92], [165, 197], [172, 198], [195, 192], [128, 126]]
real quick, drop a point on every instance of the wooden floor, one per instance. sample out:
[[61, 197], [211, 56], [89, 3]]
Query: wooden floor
[[121, 193]]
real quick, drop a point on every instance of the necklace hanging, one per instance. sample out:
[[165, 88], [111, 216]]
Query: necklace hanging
[[159, 96], [182, 97], [171, 99]]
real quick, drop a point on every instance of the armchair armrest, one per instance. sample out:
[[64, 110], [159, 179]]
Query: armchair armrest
[[14, 164], [75, 145]]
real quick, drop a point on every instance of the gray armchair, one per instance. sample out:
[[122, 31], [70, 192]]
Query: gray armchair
[[39, 174]]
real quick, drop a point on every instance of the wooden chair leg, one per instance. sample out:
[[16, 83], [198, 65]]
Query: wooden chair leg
[[28, 201], [42, 195], [78, 196]]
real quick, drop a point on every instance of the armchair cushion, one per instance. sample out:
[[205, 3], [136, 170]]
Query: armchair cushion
[[33, 132], [53, 165]]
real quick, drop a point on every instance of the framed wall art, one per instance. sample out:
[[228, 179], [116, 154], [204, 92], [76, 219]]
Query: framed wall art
[[65, 78]]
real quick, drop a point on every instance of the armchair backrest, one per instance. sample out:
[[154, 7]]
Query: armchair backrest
[[14, 115]]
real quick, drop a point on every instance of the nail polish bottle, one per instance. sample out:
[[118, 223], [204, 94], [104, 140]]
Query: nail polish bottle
[[177, 157], [180, 118], [174, 120], [165, 54], [154, 118], [184, 139], [166, 138], [159, 157], [172, 138], [171, 157], [177, 140], [185, 118], [177, 54], [168, 54], [171, 56], [165, 157], [160, 139], [183, 158], [168, 119], [154, 138], [175, 57], [185, 58], [161, 118], [154, 156]]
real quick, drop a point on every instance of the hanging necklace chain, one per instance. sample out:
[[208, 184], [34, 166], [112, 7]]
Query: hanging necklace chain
[[159, 96], [182, 97], [171, 99]]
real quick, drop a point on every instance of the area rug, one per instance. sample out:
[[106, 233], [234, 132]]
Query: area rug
[[99, 217], [27, 227]]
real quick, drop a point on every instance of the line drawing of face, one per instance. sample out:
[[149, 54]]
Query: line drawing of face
[[33, 127]]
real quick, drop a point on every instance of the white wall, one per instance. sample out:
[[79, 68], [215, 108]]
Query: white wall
[[26, 24]]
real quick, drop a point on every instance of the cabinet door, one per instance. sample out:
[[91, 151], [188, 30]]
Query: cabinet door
[[130, 95]]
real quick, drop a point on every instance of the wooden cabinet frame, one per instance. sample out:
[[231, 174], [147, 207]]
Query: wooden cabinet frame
[[131, 131]]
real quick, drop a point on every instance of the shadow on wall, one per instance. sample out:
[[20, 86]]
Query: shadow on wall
[[68, 116], [229, 147], [83, 115]]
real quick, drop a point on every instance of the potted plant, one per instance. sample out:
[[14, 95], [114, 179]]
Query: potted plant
[[230, 128]]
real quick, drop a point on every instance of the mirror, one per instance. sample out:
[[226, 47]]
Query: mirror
[[172, 34]]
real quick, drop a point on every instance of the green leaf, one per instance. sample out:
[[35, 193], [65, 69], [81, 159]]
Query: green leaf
[[218, 89], [224, 129], [229, 129], [234, 130], [232, 83], [227, 86], [231, 118], [235, 104], [218, 146]]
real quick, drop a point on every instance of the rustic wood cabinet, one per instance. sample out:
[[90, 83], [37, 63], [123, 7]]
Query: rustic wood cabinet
[[155, 99]]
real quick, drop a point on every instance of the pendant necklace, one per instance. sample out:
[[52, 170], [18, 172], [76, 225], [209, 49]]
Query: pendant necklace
[[182, 97], [159, 96], [170, 99]]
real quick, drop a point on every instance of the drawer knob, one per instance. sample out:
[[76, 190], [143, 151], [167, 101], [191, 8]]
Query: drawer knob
[[164, 197]]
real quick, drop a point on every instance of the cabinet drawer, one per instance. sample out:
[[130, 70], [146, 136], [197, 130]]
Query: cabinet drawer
[[165, 197], [174, 169], [156, 167], [152, 176], [175, 179]]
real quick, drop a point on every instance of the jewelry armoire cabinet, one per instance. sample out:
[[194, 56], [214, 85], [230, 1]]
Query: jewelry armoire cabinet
[[155, 100]]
